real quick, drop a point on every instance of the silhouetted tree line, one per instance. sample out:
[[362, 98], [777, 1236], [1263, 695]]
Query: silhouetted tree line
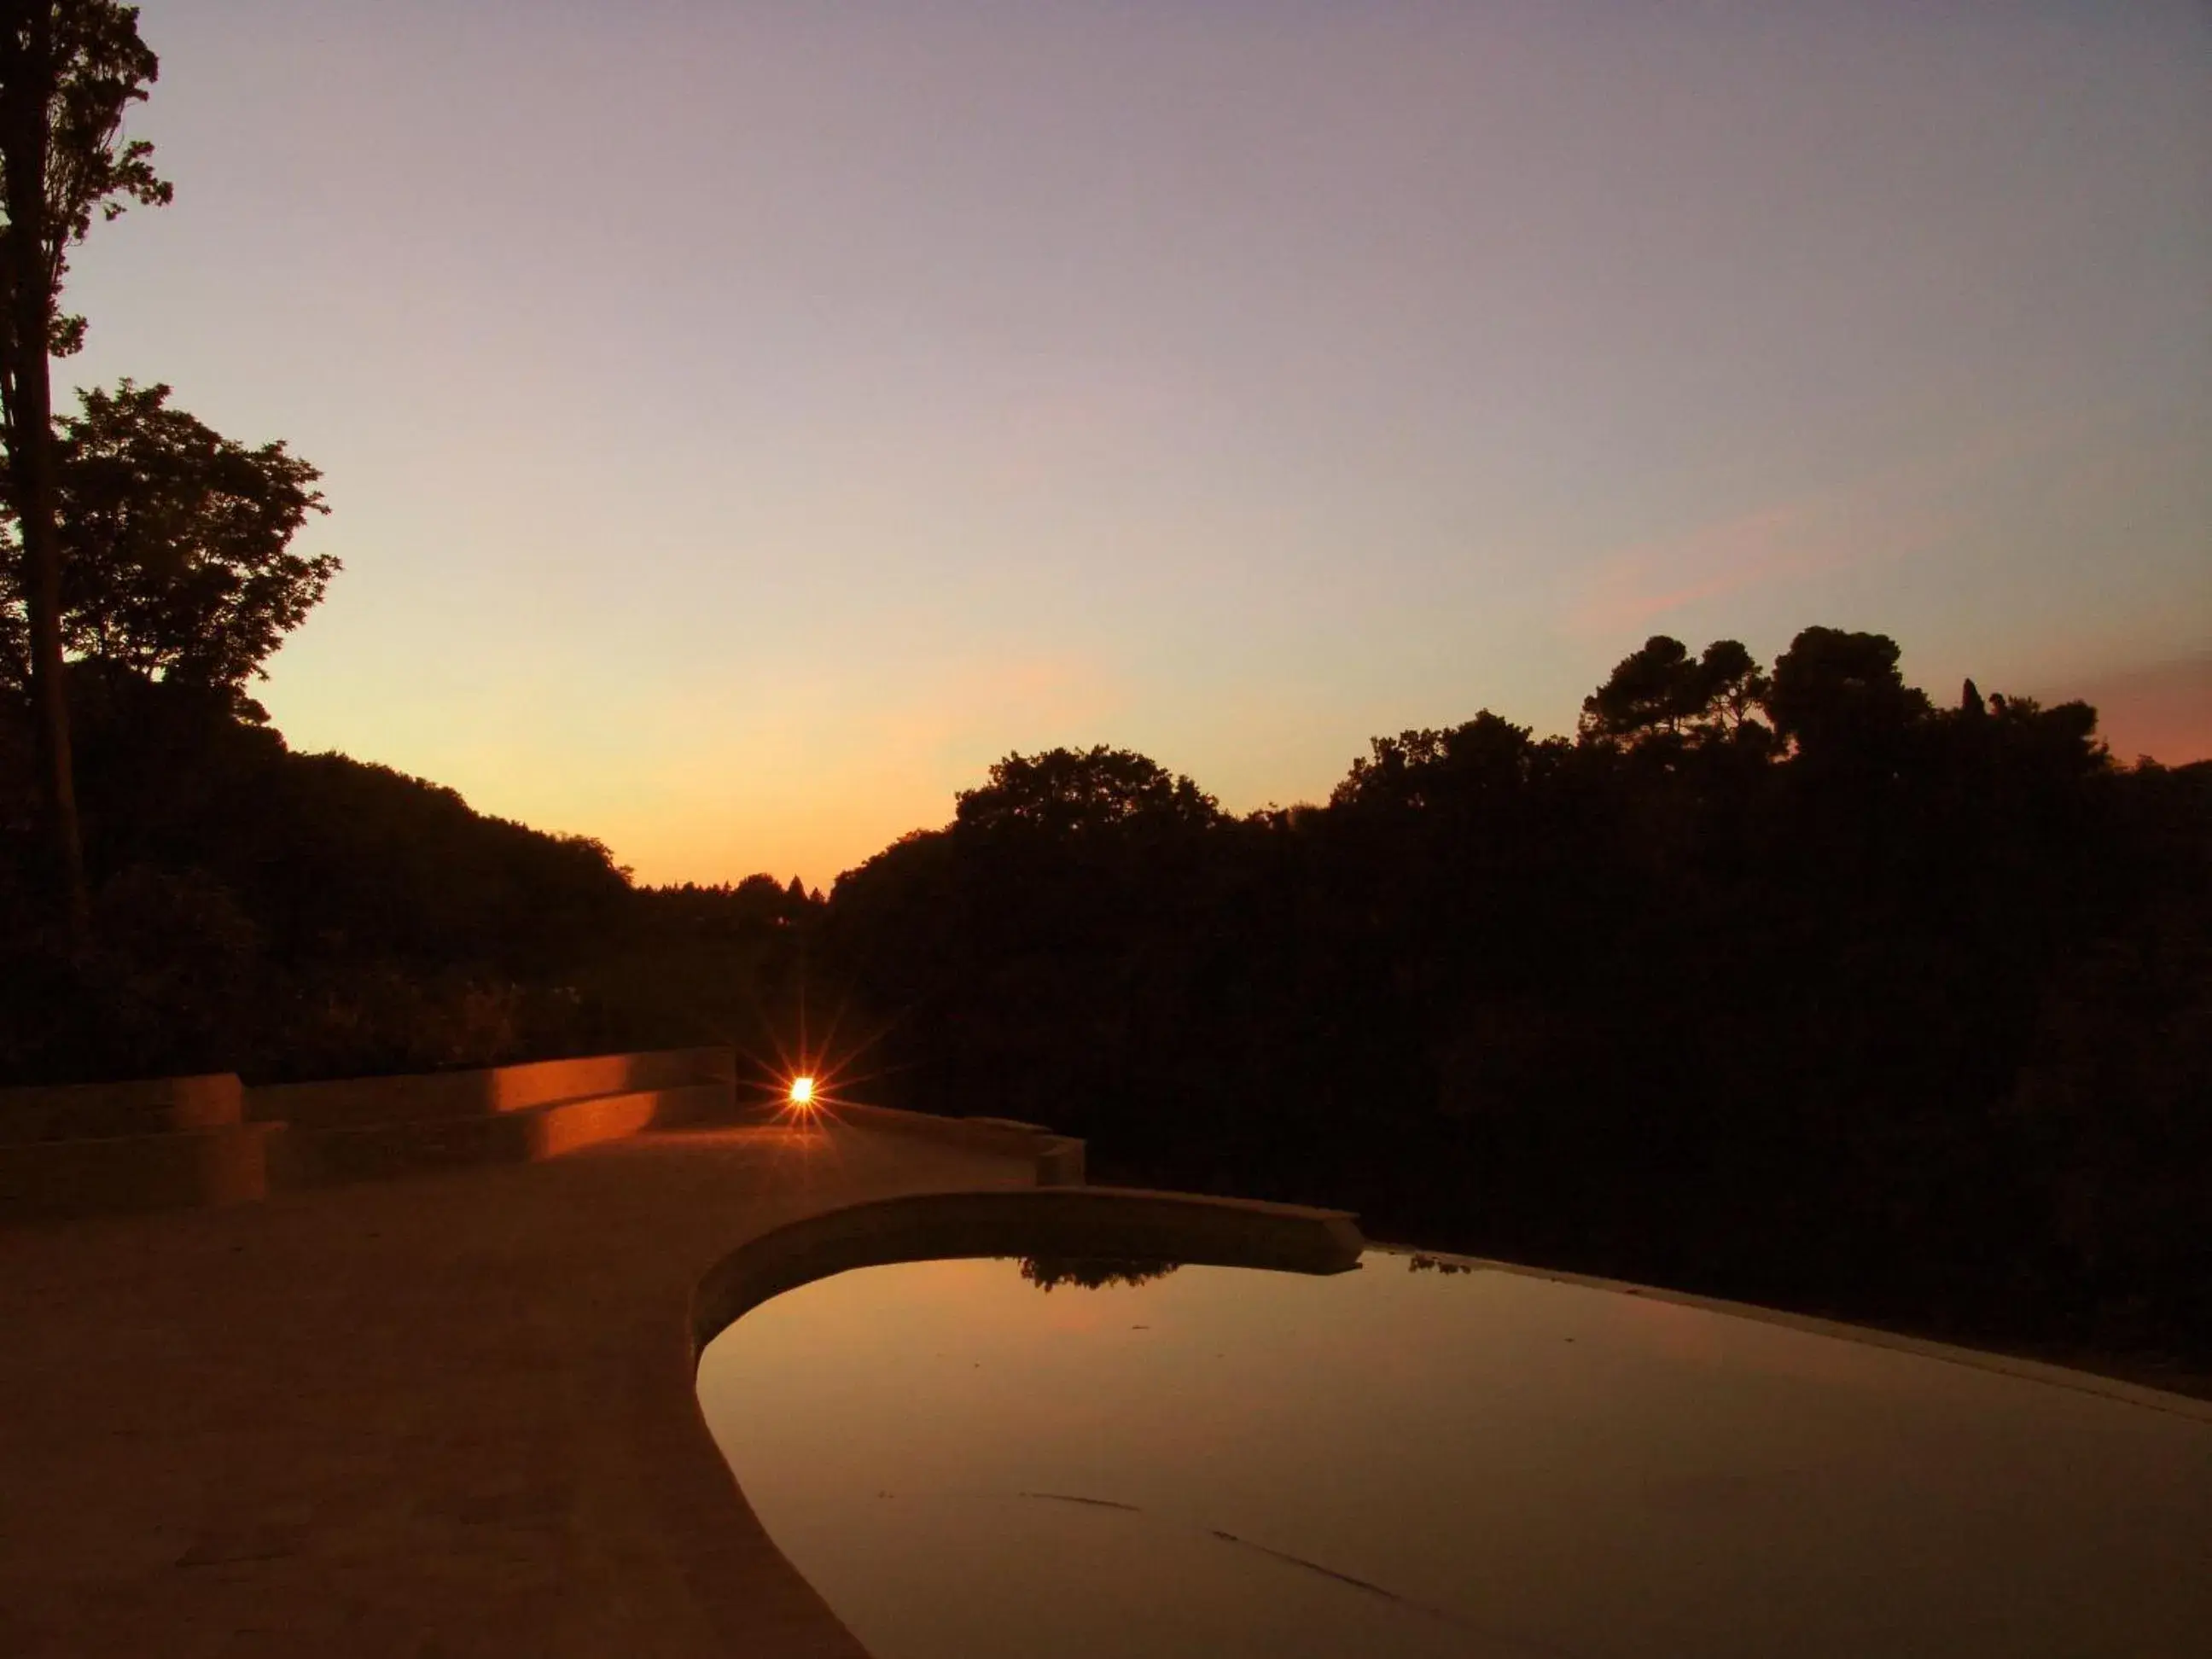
[[247, 908], [1789, 986], [289, 915], [283, 914]]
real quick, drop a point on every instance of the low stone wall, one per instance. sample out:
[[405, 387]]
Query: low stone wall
[[53, 1179], [100, 1111], [355, 1102], [106, 1148], [1058, 1158], [183, 1143], [168, 1143], [376, 1151]]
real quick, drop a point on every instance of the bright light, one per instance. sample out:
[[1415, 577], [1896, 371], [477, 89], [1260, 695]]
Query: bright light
[[802, 1092]]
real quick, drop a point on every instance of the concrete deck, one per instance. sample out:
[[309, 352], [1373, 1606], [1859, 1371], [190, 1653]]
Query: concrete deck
[[446, 1416]]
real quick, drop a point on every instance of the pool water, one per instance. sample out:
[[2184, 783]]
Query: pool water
[[1415, 1459]]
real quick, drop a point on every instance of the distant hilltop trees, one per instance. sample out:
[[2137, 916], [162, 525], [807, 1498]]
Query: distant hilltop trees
[[1788, 983]]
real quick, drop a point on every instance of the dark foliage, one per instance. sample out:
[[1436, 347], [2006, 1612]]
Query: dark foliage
[[296, 915], [177, 547], [1796, 988]]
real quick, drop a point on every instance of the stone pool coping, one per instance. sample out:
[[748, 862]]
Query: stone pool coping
[[455, 1414]]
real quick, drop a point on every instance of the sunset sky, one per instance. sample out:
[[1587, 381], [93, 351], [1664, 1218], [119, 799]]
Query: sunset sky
[[744, 423]]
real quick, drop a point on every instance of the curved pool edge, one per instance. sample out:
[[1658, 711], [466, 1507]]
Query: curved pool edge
[[1185, 1228], [1983, 1359], [748, 1591], [1686, 1479]]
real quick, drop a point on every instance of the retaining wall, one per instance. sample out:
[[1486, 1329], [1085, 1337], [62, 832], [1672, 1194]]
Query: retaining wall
[[168, 1143], [98, 1111], [353, 1103], [51, 1180], [190, 1142]]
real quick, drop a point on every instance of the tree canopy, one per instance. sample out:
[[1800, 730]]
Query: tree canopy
[[1065, 790], [180, 562], [69, 71], [1663, 688], [1837, 692], [1792, 987], [1427, 768]]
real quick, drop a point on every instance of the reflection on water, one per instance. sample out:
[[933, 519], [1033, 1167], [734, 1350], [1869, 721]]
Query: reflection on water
[[1091, 1272], [1396, 1463]]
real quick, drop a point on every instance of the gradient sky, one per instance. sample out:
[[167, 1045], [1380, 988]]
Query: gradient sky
[[744, 423]]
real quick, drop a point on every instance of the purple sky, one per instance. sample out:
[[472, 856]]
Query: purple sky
[[744, 423]]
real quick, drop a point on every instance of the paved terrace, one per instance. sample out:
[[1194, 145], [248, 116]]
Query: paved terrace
[[442, 1416]]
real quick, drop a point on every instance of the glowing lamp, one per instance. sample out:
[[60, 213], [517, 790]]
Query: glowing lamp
[[802, 1092]]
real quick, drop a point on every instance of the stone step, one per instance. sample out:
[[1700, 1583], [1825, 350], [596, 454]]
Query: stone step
[[121, 1174], [314, 1156]]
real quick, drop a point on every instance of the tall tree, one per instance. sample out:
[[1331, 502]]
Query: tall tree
[[1663, 690], [1841, 695], [176, 546], [1424, 768], [70, 69]]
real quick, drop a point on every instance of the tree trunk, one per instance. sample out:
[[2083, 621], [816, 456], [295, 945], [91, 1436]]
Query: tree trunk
[[25, 135]]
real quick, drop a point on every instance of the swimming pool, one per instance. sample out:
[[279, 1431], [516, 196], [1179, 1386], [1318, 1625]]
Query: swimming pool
[[1425, 1457]]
